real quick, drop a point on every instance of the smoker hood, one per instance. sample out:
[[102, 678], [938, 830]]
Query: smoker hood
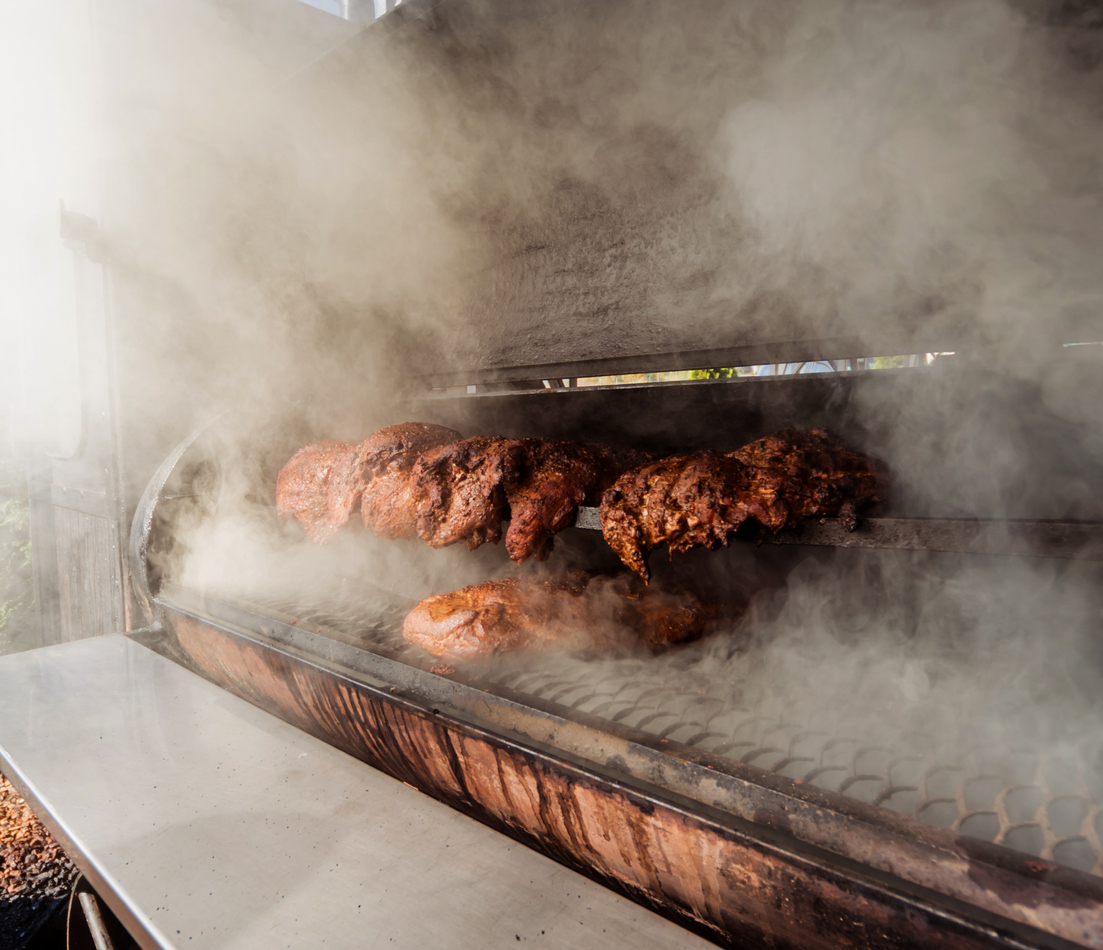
[[637, 177]]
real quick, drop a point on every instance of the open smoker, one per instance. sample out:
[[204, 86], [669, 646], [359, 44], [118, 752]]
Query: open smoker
[[649, 777], [779, 829], [779, 826]]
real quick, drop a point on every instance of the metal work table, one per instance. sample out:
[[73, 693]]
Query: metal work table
[[205, 822]]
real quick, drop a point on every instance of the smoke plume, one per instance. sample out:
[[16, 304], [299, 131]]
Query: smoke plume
[[308, 226]]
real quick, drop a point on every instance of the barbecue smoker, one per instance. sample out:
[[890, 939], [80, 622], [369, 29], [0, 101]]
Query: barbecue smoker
[[734, 825], [782, 831], [775, 833]]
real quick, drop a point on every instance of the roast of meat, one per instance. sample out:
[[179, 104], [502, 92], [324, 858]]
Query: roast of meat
[[418, 479], [424, 480], [702, 498], [814, 474], [465, 490], [323, 482], [388, 505], [460, 490], [303, 485], [683, 500], [557, 478], [573, 611], [387, 459]]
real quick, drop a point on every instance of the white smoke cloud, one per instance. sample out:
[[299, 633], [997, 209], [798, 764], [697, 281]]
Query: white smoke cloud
[[867, 166], [900, 152]]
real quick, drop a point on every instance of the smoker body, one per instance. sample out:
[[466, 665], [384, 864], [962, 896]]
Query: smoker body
[[588, 281], [629, 782]]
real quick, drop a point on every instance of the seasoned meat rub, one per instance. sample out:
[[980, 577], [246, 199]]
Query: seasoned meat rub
[[684, 501], [324, 482], [460, 490], [303, 485], [466, 490], [814, 474], [556, 479], [388, 502], [388, 506], [572, 611], [700, 499]]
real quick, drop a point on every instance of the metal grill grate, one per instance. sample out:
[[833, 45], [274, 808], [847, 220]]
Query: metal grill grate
[[1044, 804]]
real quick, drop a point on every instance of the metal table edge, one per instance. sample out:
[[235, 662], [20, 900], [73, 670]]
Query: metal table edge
[[102, 883]]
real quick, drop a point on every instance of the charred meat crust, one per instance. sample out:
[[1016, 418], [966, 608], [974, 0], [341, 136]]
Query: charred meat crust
[[460, 490], [702, 498], [466, 490], [388, 502], [558, 477], [815, 474], [323, 482], [683, 500], [399, 446]]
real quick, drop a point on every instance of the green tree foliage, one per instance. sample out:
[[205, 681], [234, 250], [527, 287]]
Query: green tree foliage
[[885, 362], [724, 372]]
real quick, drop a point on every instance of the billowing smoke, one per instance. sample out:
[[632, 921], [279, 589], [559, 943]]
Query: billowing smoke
[[897, 154], [500, 184], [930, 176]]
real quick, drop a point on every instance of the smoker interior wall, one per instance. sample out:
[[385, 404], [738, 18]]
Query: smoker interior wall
[[579, 136]]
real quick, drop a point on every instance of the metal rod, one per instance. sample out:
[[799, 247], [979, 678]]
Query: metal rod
[[834, 348], [94, 918], [1059, 539]]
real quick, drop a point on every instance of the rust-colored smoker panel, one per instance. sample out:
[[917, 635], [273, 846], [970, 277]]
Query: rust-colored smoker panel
[[700, 869]]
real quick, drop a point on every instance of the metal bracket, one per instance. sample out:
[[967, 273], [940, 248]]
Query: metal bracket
[[82, 233]]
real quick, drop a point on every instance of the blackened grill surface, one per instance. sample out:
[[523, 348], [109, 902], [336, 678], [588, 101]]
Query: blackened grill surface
[[1043, 804]]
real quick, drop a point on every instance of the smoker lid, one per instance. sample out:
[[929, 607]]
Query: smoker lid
[[597, 178]]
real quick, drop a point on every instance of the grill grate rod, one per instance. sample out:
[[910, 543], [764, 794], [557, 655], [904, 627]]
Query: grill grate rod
[[1058, 539]]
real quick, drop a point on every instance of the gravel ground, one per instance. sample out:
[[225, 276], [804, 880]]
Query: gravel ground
[[35, 874]]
